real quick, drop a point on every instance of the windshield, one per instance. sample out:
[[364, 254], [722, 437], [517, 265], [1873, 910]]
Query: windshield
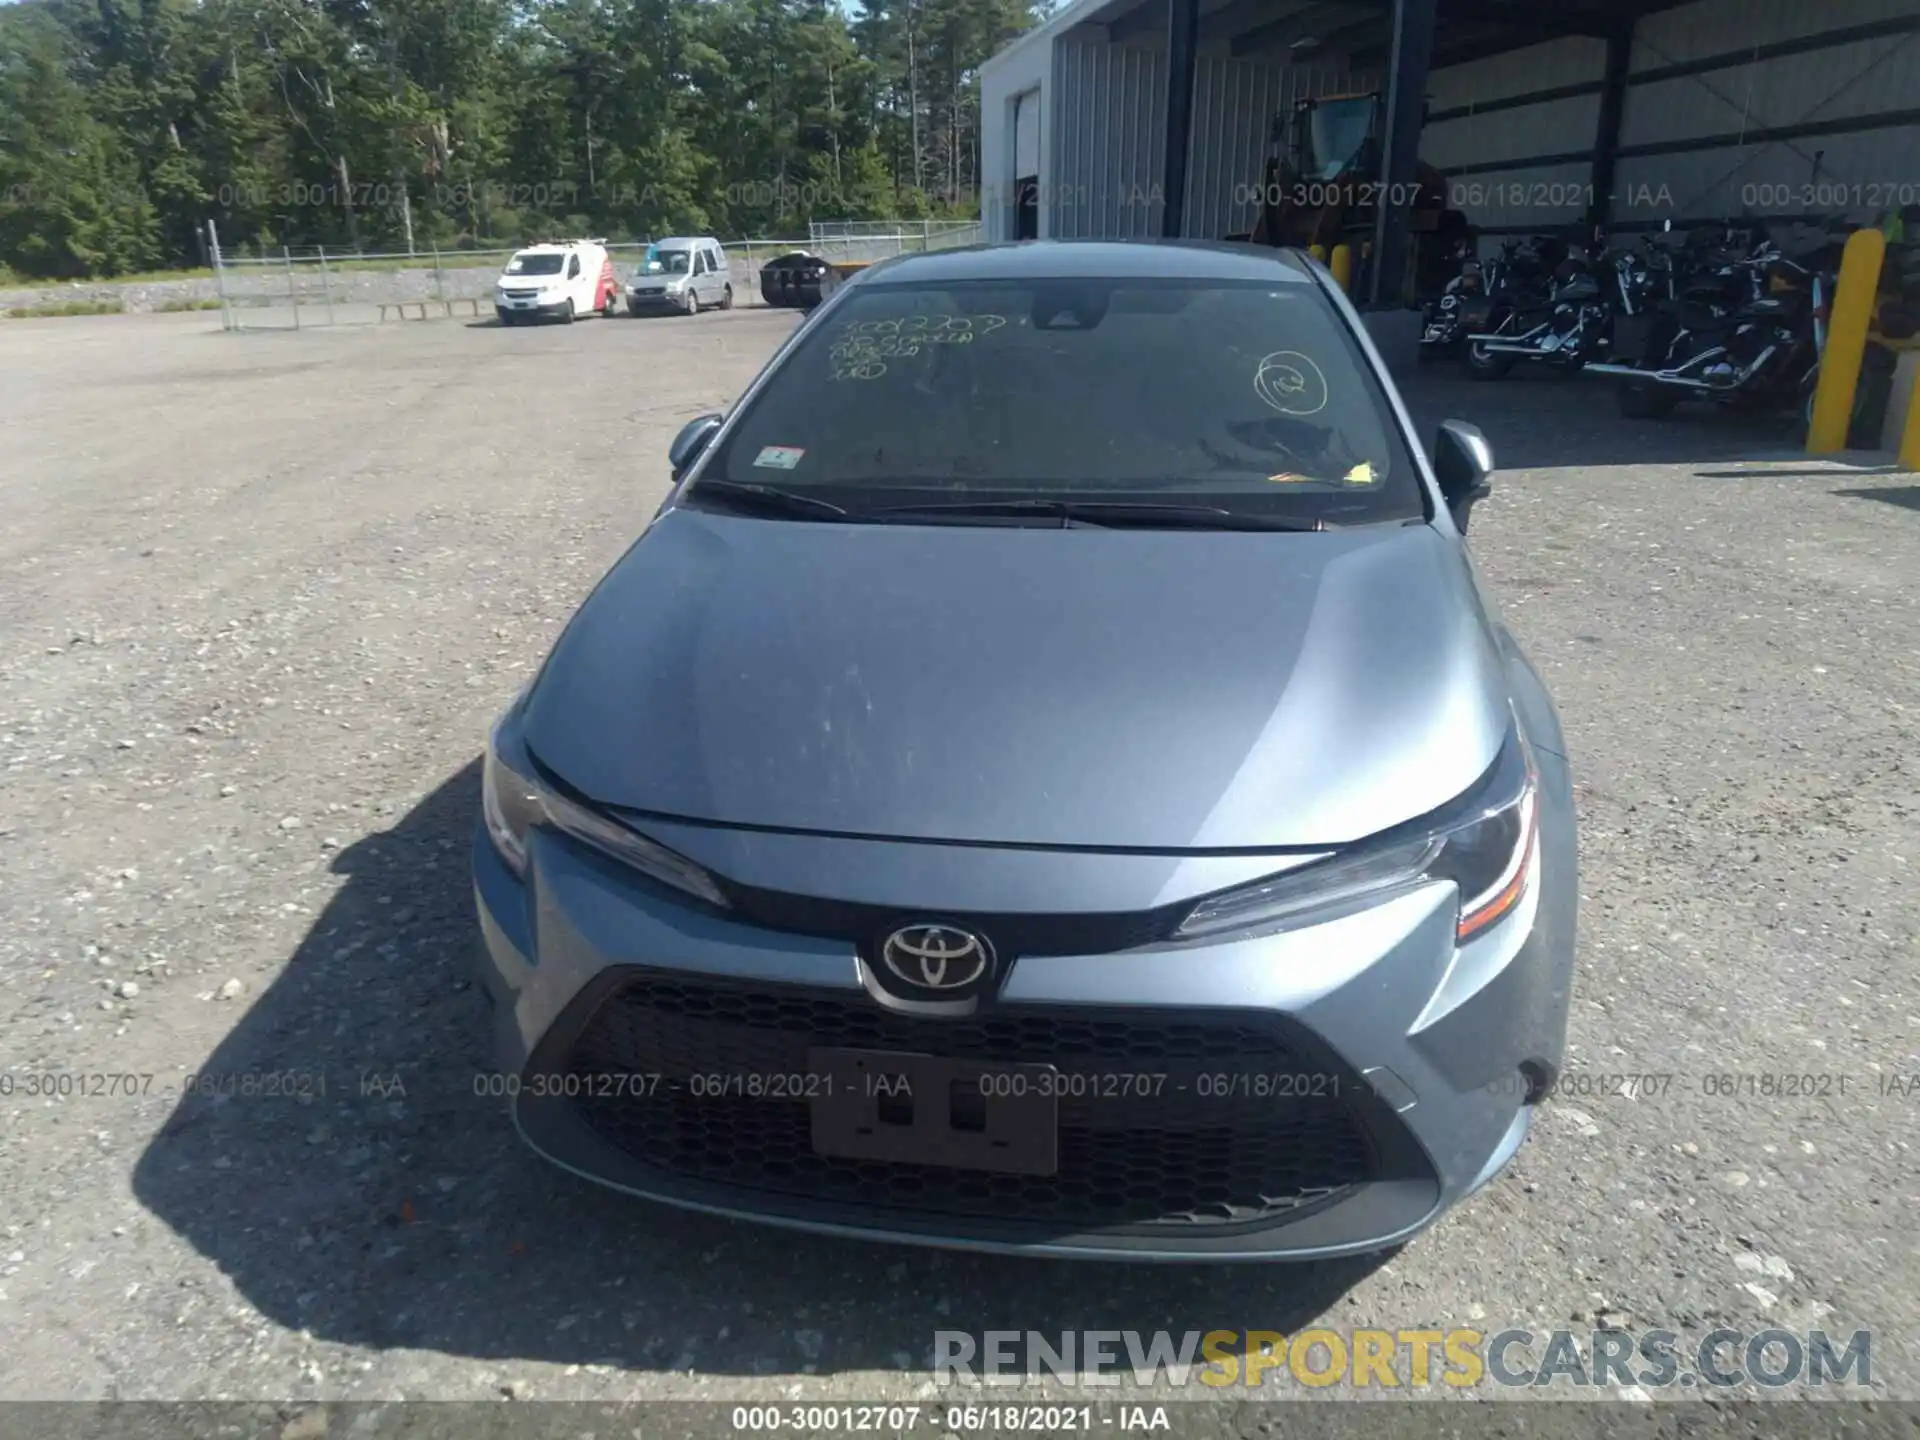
[[670, 262], [1249, 397], [535, 264], [1339, 129]]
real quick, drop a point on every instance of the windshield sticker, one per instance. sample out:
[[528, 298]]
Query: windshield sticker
[[1291, 383], [1361, 474], [779, 457]]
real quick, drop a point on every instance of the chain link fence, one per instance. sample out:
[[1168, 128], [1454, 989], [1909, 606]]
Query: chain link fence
[[310, 286], [931, 234]]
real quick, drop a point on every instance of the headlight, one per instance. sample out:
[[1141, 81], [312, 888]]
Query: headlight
[[1484, 844], [513, 805]]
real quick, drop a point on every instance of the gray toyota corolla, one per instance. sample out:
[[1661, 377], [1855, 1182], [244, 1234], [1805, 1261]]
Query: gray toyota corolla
[[1047, 779]]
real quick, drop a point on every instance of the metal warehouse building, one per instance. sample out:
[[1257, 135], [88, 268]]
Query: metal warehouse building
[[1542, 113]]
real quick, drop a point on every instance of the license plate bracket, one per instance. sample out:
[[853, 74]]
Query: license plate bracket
[[933, 1110]]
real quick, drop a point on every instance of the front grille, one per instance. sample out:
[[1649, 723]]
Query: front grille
[[1128, 1160], [1011, 935]]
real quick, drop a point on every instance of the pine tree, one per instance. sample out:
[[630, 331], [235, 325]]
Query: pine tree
[[126, 125]]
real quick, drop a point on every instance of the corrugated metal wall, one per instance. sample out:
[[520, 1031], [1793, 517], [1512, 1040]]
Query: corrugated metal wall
[[1571, 61], [1105, 119], [1518, 195], [1109, 126], [1713, 27], [1825, 85], [1859, 171], [1109, 122], [1234, 105]]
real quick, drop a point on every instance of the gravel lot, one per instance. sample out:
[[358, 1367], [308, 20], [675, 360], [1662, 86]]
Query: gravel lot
[[261, 595]]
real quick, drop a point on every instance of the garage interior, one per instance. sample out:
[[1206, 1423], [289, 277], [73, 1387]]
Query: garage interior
[[1129, 118]]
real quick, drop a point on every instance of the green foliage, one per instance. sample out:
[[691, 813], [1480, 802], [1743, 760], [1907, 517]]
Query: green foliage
[[384, 125], [65, 307]]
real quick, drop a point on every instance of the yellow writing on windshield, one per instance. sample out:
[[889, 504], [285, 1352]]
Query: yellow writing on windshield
[[863, 347], [927, 326]]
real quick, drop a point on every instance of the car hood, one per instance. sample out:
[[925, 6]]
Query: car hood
[[1118, 689]]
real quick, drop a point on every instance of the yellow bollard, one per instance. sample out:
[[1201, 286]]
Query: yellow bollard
[[1342, 266], [1319, 252], [1910, 437], [1852, 313]]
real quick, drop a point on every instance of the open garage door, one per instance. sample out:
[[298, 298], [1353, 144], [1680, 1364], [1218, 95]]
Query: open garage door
[[1026, 166]]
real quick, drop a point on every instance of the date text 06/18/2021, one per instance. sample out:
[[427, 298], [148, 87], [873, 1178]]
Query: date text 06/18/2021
[[811, 1084]]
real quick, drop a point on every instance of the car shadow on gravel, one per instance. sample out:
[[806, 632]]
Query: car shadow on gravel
[[365, 1193], [1907, 497]]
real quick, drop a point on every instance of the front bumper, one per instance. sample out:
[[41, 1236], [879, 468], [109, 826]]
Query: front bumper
[[505, 305], [593, 973], [639, 300]]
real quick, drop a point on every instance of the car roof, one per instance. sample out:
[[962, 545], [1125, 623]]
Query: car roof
[[683, 242], [1088, 259]]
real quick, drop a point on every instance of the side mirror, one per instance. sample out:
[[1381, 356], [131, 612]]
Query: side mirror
[[1463, 464], [691, 440]]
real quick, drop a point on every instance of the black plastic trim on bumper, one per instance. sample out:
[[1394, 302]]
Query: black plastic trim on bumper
[[1364, 1216]]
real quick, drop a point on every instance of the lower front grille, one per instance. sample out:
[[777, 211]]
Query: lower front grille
[[1225, 1121]]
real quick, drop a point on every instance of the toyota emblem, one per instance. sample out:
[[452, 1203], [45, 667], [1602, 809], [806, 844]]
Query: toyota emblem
[[936, 957]]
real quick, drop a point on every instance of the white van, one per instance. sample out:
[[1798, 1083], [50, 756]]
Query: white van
[[558, 279], [683, 272]]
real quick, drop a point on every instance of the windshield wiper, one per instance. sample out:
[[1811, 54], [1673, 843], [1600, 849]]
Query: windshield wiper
[[1105, 514], [768, 499]]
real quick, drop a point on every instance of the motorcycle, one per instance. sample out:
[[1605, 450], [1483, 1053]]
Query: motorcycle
[[1645, 282], [1556, 312], [1445, 323], [1745, 332]]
